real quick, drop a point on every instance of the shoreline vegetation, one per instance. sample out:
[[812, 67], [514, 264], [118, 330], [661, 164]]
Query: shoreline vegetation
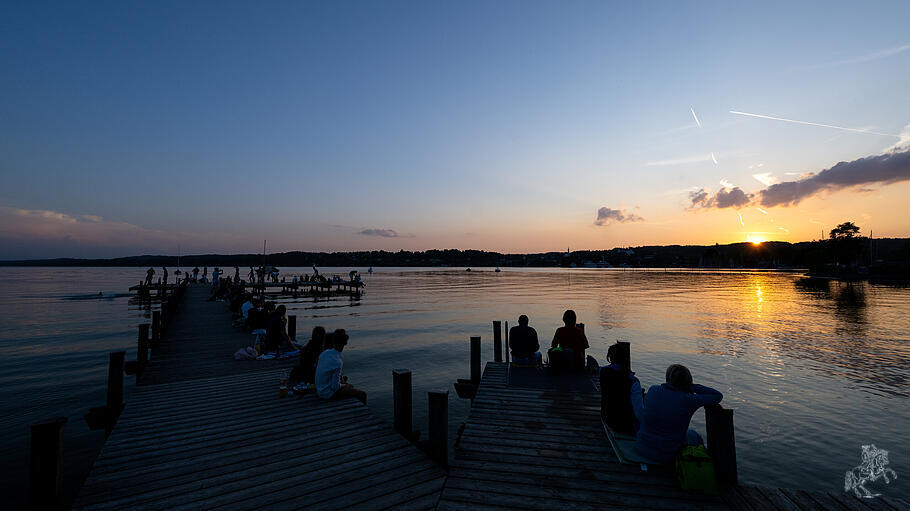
[[887, 258]]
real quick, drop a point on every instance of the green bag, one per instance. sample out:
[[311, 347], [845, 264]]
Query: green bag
[[695, 470]]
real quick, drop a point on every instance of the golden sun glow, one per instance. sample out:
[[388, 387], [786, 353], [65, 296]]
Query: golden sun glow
[[755, 239]]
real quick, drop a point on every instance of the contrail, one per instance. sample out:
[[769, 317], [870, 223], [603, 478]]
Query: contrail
[[696, 117], [857, 130], [763, 211], [741, 219], [714, 158]]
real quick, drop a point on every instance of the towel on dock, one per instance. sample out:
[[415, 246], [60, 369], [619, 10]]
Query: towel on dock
[[624, 447]]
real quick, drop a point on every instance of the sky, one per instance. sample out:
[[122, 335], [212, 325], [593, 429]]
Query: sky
[[207, 127]]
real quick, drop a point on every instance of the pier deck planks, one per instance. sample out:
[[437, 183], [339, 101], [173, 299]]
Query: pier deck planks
[[202, 431], [232, 443], [200, 343], [527, 448]]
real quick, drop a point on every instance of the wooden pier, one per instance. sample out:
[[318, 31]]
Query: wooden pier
[[202, 431], [529, 448]]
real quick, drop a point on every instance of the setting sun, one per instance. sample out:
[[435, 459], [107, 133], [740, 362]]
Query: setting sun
[[754, 239]]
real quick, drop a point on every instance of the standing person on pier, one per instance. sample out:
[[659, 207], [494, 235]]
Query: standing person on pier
[[570, 337], [236, 274], [251, 276], [148, 276], [164, 275], [667, 412], [330, 382], [195, 274]]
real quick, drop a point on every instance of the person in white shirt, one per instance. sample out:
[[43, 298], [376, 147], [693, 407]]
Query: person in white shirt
[[330, 382]]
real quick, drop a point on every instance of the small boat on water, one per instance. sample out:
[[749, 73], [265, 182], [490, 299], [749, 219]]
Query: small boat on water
[[467, 269], [497, 270]]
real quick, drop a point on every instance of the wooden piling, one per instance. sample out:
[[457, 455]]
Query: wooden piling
[[44, 464], [475, 359], [721, 443], [438, 442], [402, 401], [292, 327], [507, 341], [624, 357], [497, 341]]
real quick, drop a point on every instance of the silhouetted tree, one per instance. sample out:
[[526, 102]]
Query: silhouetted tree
[[844, 231], [847, 246]]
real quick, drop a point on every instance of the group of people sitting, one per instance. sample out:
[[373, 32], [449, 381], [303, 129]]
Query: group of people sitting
[[659, 420], [321, 365], [569, 343]]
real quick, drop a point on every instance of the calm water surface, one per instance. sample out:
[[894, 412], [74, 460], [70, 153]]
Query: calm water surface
[[812, 371]]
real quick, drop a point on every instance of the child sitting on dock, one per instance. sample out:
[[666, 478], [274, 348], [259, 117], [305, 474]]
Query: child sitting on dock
[[330, 382], [620, 394], [305, 372], [667, 412], [523, 343]]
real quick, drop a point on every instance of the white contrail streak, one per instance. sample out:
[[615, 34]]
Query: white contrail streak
[[695, 116], [741, 219], [857, 130], [763, 211], [714, 158]]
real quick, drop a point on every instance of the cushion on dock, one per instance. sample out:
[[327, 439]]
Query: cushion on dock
[[624, 447]]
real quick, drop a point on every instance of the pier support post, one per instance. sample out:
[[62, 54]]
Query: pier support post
[[438, 442], [292, 327], [156, 326], [624, 355], [114, 389], [402, 399], [475, 359], [497, 341], [721, 443], [506, 347], [44, 464]]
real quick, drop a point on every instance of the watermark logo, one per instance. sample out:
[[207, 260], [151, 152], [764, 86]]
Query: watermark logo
[[873, 468]]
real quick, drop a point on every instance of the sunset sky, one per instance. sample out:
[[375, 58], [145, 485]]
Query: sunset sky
[[130, 128]]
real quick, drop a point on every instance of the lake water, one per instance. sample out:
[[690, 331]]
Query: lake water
[[812, 371]]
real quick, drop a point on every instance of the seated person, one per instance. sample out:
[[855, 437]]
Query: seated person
[[523, 343], [305, 372], [668, 408], [330, 382], [570, 337], [276, 335], [620, 395]]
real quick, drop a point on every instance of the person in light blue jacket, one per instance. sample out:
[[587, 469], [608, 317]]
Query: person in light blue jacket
[[667, 411]]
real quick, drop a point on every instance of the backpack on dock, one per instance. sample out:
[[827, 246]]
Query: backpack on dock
[[695, 470]]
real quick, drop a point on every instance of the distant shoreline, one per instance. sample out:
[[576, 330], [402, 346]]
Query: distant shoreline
[[769, 255]]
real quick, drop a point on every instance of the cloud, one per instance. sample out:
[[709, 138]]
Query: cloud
[[723, 198], [385, 233], [607, 216], [766, 178], [878, 54], [888, 168], [29, 233], [681, 161]]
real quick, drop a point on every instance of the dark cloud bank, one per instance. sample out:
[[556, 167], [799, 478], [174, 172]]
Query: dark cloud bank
[[888, 168], [606, 216], [384, 233]]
